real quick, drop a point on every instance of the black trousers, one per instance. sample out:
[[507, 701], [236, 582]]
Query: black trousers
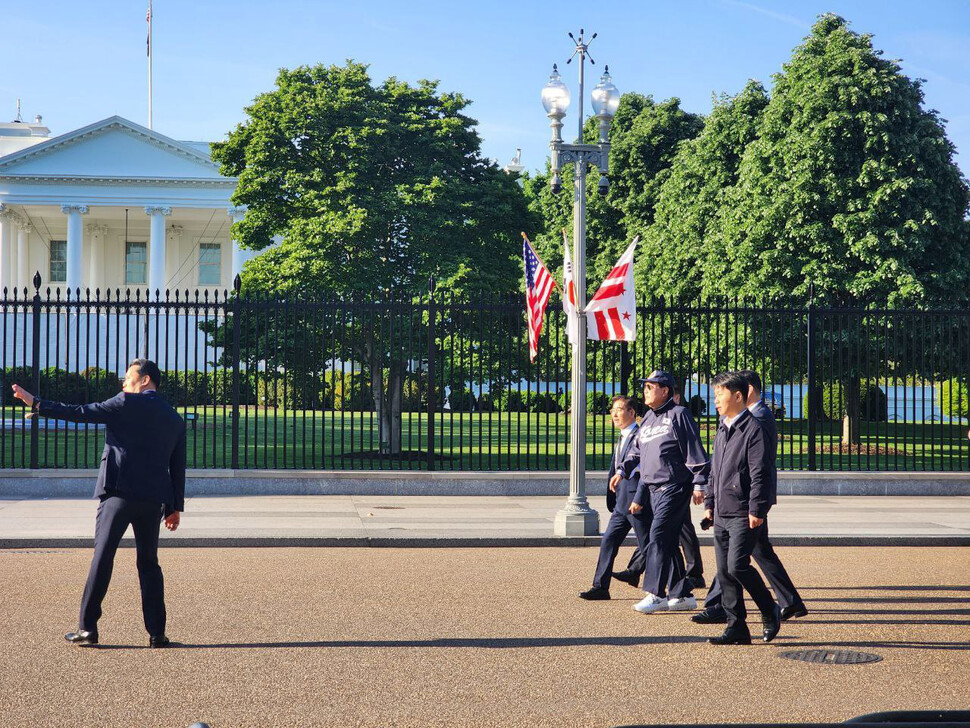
[[734, 541], [114, 516], [767, 560], [664, 564], [693, 563], [616, 530]]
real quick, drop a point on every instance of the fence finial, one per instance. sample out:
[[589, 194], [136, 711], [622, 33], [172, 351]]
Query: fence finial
[[37, 281], [431, 284], [237, 284]]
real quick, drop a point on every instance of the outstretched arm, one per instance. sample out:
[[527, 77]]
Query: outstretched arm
[[97, 412]]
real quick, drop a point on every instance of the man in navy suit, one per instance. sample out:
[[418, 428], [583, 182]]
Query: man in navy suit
[[142, 479], [618, 500]]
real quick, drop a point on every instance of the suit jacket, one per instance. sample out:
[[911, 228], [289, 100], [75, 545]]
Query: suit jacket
[[618, 457], [739, 483], [144, 449], [767, 421]]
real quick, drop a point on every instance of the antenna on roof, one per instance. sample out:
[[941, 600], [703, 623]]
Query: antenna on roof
[[19, 118]]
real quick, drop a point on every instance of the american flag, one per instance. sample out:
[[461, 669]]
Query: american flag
[[538, 288], [612, 314]]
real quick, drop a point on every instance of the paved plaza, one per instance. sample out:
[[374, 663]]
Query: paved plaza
[[467, 637]]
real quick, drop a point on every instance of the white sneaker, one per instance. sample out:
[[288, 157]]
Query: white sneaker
[[651, 603], [683, 604]]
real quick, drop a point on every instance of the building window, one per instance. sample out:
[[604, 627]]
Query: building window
[[58, 269], [136, 263], [210, 264]]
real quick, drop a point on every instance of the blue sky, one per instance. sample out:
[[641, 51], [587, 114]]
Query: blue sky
[[211, 57]]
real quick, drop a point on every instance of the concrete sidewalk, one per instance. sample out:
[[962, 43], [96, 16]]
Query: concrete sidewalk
[[455, 521]]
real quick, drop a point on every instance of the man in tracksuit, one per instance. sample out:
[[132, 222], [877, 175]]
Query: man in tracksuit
[[672, 462], [764, 554], [738, 498]]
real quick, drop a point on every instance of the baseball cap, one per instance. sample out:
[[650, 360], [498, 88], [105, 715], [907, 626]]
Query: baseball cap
[[658, 376]]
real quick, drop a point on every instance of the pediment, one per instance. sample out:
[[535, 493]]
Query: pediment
[[111, 149]]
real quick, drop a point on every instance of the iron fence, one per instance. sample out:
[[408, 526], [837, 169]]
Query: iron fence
[[437, 382]]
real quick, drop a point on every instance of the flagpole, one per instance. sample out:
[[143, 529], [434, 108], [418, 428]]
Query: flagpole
[[149, 64]]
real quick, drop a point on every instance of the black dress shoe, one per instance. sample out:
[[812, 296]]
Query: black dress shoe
[[595, 594], [629, 577], [711, 615], [771, 623], [159, 641], [731, 637], [82, 637], [794, 610], [697, 582]]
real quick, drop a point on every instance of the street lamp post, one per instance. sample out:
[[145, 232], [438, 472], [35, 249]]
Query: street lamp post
[[576, 518]]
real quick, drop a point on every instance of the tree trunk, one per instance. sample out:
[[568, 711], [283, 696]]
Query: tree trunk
[[851, 421], [388, 398]]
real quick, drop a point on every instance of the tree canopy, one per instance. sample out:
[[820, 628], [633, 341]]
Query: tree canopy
[[370, 187]]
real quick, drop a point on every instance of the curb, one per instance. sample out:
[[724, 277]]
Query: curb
[[458, 543]]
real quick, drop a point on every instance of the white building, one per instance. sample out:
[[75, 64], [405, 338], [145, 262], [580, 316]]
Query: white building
[[113, 205]]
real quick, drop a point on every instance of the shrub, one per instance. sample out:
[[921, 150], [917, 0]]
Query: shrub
[[486, 403], [545, 402], [508, 400], [461, 399], [697, 406], [830, 402], [414, 397], [954, 397], [597, 403], [63, 386], [101, 384], [186, 388], [348, 392]]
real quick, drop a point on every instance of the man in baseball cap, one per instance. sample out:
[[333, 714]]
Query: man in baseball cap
[[672, 462]]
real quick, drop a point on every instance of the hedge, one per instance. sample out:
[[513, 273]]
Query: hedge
[[954, 397], [830, 403]]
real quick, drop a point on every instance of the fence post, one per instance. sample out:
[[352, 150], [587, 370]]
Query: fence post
[[237, 286], [431, 373], [810, 399], [626, 367], [35, 373]]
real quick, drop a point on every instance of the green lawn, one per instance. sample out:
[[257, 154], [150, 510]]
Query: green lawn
[[272, 438]]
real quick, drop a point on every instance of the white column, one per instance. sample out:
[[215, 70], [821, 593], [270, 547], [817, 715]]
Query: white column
[[24, 229], [6, 244], [175, 244], [156, 249], [75, 245], [235, 215], [99, 238]]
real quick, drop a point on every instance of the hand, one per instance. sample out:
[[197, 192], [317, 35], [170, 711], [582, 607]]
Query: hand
[[635, 508], [754, 521], [172, 520], [615, 481], [698, 497], [23, 395], [708, 513]]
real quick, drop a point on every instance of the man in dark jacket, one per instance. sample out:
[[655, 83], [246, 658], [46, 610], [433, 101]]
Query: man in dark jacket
[[764, 554], [622, 520], [142, 479], [739, 495]]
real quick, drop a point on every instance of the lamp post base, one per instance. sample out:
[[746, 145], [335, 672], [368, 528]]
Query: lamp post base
[[571, 521]]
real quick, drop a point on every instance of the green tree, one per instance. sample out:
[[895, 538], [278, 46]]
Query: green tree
[[371, 189], [850, 184]]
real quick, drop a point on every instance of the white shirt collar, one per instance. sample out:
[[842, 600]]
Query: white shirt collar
[[629, 428]]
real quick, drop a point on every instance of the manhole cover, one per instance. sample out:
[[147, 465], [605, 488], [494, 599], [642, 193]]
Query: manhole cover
[[388, 508], [832, 657]]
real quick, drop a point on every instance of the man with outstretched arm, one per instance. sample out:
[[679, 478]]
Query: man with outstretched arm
[[142, 480]]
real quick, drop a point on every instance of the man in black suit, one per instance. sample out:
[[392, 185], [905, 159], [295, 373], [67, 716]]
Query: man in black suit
[[739, 495], [764, 554], [618, 500], [142, 479]]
